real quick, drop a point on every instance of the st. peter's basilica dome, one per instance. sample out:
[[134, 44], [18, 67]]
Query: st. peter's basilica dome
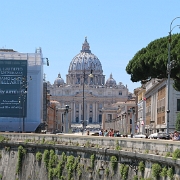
[[59, 81], [111, 82], [85, 60]]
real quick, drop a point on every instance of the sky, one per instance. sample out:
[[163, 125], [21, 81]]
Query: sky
[[115, 29]]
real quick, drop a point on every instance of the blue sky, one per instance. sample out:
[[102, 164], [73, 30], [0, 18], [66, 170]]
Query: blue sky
[[115, 30]]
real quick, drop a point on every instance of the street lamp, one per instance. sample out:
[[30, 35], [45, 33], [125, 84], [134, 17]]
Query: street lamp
[[91, 76], [170, 65], [132, 110], [66, 122], [23, 99]]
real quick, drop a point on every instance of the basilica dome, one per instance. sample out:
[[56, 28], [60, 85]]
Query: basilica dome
[[111, 82], [59, 81], [85, 60]]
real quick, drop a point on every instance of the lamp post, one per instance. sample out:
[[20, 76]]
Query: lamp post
[[90, 75], [23, 99], [132, 110], [170, 65], [67, 122]]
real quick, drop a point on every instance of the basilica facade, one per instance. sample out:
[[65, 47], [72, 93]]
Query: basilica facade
[[84, 93]]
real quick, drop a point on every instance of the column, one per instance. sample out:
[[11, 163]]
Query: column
[[74, 112], [97, 112], [87, 111], [80, 112], [72, 119], [94, 117]]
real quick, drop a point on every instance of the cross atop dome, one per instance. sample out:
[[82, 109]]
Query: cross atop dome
[[85, 46]]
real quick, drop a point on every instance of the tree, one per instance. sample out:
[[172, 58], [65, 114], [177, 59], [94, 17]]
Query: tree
[[177, 126], [151, 61]]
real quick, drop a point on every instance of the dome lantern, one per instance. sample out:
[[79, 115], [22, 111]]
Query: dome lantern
[[85, 46]]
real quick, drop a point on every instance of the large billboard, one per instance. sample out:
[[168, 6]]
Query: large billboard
[[13, 88]]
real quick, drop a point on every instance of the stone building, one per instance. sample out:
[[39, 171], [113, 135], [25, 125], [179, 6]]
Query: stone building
[[156, 106], [96, 91]]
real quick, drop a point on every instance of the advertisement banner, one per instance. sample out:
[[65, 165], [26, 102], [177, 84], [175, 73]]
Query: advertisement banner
[[13, 88]]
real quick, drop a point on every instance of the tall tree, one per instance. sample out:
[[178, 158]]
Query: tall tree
[[177, 126], [151, 61]]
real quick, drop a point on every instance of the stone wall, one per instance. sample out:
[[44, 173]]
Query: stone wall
[[127, 151]]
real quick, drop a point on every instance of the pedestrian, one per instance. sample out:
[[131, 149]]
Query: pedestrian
[[176, 136], [106, 133]]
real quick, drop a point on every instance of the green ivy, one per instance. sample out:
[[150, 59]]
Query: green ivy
[[92, 158], [87, 144], [79, 170], [43, 141], [135, 177], [7, 148], [156, 170], [117, 146], [46, 158], [141, 166], [39, 156], [163, 172], [59, 169], [170, 173], [168, 154], [21, 153], [107, 172], [3, 139], [64, 157], [176, 154], [124, 171], [69, 166], [114, 162]]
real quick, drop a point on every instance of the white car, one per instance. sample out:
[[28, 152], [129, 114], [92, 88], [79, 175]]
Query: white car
[[153, 136], [139, 136]]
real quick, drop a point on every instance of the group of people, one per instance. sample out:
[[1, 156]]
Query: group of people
[[175, 136], [109, 133]]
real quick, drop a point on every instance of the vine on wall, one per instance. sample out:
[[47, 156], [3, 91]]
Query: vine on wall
[[21, 153]]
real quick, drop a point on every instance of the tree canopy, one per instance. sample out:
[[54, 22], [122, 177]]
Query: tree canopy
[[151, 61]]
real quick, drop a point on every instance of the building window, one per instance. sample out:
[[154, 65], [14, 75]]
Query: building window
[[100, 118], [130, 121], [90, 120], [109, 116], [77, 119], [120, 93], [62, 118], [178, 104]]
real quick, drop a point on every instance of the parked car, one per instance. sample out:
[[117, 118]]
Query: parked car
[[159, 135], [139, 136], [153, 136]]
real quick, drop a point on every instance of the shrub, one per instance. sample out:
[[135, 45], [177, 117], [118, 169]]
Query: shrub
[[135, 177], [21, 153], [92, 160], [156, 170], [170, 173], [39, 156], [46, 157], [124, 171], [176, 154], [113, 162], [163, 172], [107, 172], [141, 166], [117, 147], [168, 154]]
